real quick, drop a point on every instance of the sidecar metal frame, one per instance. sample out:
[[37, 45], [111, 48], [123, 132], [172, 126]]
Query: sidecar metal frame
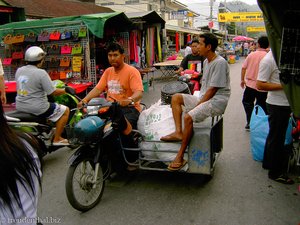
[[201, 154]]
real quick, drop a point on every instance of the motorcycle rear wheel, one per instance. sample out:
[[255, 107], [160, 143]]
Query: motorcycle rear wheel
[[81, 193]]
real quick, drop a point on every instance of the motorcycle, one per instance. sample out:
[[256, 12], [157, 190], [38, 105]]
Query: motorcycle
[[192, 79], [40, 128], [102, 150]]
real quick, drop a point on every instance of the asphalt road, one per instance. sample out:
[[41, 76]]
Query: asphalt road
[[239, 193]]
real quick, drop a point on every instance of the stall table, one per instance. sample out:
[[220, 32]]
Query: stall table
[[167, 68]]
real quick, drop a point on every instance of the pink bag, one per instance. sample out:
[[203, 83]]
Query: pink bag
[[66, 49], [7, 61]]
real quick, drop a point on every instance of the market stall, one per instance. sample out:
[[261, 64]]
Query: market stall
[[69, 43]]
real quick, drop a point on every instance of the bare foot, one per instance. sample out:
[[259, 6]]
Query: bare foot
[[173, 137]]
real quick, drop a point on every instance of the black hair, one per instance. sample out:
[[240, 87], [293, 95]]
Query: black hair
[[114, 46], [34, 63], [263, 42], [195, 41], [210, 39], [16, 164]]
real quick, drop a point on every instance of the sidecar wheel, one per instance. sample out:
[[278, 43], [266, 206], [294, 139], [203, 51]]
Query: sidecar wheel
[[81, 192]]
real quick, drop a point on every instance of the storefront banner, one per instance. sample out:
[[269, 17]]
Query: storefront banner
[[240, 17]]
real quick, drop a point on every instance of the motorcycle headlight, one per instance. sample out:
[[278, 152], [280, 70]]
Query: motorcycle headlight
[[92, 110], [96, 110]]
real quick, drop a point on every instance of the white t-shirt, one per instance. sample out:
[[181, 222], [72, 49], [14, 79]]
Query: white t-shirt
[[28, 200], [269, 72], [216, 74]]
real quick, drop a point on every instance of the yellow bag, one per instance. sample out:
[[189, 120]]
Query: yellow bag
[[76, 63]]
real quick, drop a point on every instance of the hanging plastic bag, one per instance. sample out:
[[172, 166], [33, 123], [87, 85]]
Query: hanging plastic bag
[[259, 130]]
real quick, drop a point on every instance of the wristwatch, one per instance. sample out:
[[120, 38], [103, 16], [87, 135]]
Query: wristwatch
[[131, 99]]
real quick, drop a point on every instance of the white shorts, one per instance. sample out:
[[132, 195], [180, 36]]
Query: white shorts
[[200, 112], [57, 113]]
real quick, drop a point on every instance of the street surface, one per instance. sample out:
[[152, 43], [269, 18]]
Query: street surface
[[239, 193]]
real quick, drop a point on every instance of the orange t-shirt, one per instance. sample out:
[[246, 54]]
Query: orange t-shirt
[[122, 84]]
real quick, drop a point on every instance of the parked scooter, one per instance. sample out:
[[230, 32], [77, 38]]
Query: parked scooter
[[101, 151], [40, 127], [192, 79]]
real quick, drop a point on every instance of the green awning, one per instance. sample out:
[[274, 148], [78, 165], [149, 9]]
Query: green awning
[[96, 23]]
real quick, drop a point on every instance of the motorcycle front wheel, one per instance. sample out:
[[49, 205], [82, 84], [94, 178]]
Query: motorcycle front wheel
[[82, 192]]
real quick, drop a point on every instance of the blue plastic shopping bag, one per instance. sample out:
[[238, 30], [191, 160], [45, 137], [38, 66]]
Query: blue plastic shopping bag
[[259, 130]]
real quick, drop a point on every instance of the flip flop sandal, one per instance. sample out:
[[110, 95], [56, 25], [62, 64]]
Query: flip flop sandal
[[177, 167], [63, 142], [284, 180]]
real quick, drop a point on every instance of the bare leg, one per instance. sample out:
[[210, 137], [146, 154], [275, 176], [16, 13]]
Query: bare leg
[[60, 124], [177, 102], [187, 135]]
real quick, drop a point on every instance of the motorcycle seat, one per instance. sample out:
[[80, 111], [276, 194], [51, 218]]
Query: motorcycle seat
[[26, 117]]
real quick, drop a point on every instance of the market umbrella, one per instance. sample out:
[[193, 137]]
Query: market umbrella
[[242, 38]]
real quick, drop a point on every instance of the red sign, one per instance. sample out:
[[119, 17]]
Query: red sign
[[210, 24]]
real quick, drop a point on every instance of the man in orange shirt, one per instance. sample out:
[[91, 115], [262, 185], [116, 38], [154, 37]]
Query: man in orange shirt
[[248, 79], [122, 82]]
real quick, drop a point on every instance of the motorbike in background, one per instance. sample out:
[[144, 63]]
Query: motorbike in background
[[191, 78], [42, 129]]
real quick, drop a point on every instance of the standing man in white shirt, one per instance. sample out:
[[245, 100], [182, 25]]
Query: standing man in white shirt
[[275, 155]]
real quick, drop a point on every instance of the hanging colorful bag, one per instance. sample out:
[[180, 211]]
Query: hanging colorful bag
[[54, 75], [31, 38], [66, 49], [75, 37], [8, 39], [77, 49], [76, 63], [66, 35], [54, 36], [18, 55], [82, 32], [53, 50], [44, 36], [18, 38], [65, 62], [7, 61], [53, 63]]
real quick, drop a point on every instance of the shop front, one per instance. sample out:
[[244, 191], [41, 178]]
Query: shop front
[[72, 45]]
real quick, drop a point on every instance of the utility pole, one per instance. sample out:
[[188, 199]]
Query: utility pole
[[211, 3]]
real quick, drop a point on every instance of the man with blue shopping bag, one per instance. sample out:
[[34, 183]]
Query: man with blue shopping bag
[[275, 156]]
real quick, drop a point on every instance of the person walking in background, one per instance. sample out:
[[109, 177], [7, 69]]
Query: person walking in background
[[2, 85], [20, 175], [246, 48], [275, 155], [188, 49], [248, 79]]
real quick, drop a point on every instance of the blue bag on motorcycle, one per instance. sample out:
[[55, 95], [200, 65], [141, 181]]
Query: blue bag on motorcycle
[[88, 129], [259, 130]]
